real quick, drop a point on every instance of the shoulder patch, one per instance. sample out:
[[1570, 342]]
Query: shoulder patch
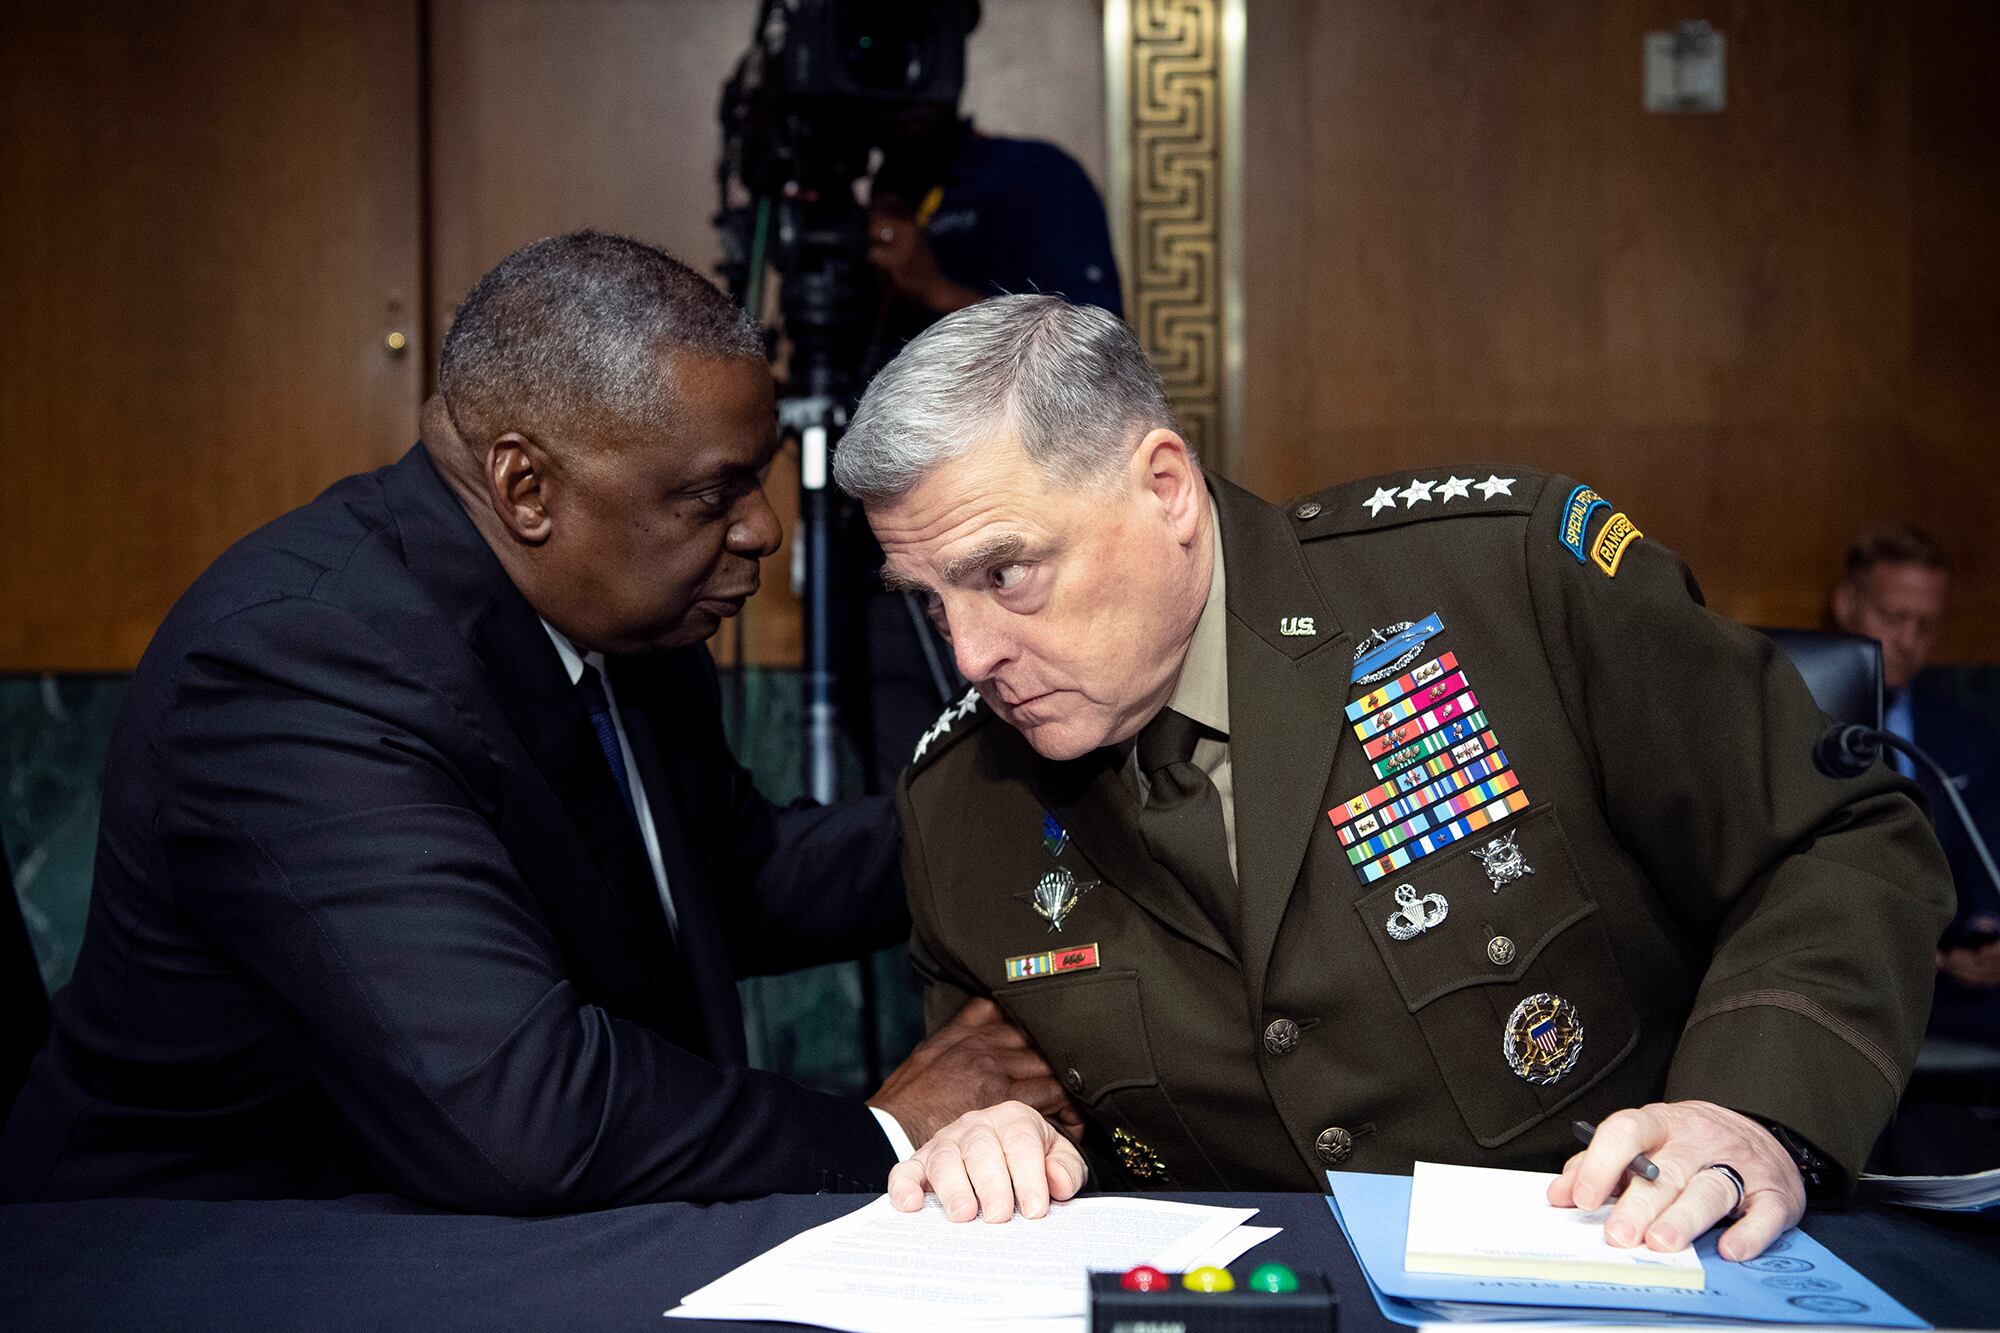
[[1573, 531], [935, 735], [1390, 501]]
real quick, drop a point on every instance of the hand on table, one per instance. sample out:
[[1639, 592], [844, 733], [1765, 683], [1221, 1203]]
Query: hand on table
[[977, 1060], [1683, 1138], [989, 1164]]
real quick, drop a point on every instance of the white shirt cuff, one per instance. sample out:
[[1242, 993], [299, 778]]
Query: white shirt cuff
[[899, 1142]]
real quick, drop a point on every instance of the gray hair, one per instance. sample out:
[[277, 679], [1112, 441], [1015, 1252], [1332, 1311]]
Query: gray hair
[[562, 340], [1069, 380]]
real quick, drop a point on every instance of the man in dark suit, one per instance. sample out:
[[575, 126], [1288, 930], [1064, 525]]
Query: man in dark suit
[[424, 865], [1415, 820], [1896, 584]]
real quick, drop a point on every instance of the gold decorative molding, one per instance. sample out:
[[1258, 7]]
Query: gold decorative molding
[[1174, 85]]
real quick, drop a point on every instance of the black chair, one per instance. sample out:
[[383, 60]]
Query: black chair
[[1843, 671], [26, 1003]]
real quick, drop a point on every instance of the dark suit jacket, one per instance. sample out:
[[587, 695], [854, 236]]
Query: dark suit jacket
[[369, 913], [1725, 923]]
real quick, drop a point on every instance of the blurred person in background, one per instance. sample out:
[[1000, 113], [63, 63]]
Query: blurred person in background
[[1895, 590]]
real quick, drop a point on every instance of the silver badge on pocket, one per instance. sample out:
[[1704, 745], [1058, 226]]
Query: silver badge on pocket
[[1413, 915], [1503, 861]]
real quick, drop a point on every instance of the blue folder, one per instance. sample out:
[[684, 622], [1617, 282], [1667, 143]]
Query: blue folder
[[1796, 1281]]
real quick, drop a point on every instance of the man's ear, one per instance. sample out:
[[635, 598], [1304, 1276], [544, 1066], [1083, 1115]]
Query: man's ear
[[1164, 465], [517, 477], [1844, 607]]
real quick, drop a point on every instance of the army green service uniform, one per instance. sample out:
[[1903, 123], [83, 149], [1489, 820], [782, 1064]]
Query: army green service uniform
[[1630, 882]]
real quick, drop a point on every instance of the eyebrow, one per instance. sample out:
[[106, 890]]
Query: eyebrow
[[997, 550]]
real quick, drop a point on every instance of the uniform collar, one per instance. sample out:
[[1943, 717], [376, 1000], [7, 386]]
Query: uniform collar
[[1202, 692]]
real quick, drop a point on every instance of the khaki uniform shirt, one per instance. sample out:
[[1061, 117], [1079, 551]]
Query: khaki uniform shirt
[[1639, 887]]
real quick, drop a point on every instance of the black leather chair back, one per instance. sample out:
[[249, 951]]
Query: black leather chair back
[[24, 1004], [1843, 671]]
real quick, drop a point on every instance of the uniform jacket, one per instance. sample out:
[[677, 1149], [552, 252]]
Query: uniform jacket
[[369, 912], [1722, 921]]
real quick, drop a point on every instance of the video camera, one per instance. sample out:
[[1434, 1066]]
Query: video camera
[[805, 112]]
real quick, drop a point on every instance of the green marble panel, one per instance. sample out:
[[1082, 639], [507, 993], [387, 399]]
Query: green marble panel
[[53, 730]]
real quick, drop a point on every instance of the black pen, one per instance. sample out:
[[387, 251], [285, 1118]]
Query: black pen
[[1640, 1166]]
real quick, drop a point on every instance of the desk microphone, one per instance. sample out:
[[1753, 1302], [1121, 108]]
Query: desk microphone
[[1848, 750]]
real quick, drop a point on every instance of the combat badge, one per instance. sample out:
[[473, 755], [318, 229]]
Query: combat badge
[[1054, 836], [1136, 1157], [1384, 652], [1544, 1038], [1503, 861], [1413, 915], [1055, 895]]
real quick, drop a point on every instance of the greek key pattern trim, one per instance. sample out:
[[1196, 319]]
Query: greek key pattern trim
[[1173, 246]]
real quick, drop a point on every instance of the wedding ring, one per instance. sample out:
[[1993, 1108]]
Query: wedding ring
[[1735, 1179]]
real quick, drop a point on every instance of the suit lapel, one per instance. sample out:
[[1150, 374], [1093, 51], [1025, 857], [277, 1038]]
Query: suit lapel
[[703, 951], [1286, 695], [611, 926]]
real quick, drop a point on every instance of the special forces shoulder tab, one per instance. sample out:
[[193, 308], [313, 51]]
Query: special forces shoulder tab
[[957, 720], [1411, 497], [1607, 549]]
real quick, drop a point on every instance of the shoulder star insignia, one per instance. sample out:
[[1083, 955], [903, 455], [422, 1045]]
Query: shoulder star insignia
[[1382, 499], [942, 727], [1455, 488], [1493, 486], [1416, 491]]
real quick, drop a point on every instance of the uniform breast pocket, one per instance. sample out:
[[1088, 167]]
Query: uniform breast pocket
[[1497, 952], [1092, 1030]]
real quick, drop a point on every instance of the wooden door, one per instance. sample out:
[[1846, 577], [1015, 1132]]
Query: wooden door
[[209, 227]]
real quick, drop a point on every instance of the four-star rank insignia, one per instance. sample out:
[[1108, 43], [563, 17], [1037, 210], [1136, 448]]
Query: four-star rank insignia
[[1055, 895]]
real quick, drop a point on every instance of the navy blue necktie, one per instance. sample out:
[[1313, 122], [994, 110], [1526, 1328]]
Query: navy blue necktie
[[598, 704]]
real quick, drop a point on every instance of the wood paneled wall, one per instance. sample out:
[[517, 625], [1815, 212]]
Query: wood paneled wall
[[1756, 331], [208, 227]]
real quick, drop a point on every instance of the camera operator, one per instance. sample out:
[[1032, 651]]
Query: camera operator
[[957, 216]]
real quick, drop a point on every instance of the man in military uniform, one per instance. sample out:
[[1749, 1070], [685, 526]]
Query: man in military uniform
[[1419, 819]]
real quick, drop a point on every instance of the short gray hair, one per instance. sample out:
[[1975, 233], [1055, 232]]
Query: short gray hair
[[1070, 380], [562, 340]]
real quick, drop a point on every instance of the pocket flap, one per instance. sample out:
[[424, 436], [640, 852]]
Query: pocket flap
[[1486, 934], [1090, 1027]]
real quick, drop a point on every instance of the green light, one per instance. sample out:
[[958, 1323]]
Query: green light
[[1274, 1278]]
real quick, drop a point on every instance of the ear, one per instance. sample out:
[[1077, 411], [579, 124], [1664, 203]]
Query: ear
[[1844, 607], [1164, 467], [517, 486]]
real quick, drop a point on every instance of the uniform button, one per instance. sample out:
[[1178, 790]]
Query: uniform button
[[1310, 509], [1282, 1037], [1073, 1079], [1334, 1146], [1500, 950]]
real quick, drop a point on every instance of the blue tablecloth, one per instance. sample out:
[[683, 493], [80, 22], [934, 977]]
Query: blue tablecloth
[[377, 1263]]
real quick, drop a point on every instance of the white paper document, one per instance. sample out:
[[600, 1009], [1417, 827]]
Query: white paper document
[[880, 1271], [1481, 1222]]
